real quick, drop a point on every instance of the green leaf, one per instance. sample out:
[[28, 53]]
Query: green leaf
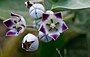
[[71, 5], [47, 4]]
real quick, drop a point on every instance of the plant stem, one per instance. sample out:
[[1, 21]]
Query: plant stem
[[58, 51]]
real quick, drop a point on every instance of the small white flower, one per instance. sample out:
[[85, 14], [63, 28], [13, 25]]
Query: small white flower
[[30, 42], [36, 10], [43, 37]]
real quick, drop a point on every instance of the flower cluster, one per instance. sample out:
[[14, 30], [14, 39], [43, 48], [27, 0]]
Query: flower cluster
[[49, 24]]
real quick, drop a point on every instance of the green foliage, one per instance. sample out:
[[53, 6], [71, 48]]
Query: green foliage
[[49, 49], [70, 5]]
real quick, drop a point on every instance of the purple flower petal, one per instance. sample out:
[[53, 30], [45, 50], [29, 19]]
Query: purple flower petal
[[44, 17], [8, 23], [42, 29], [64, 27], [12, 33], [58, 15], [54, 36]]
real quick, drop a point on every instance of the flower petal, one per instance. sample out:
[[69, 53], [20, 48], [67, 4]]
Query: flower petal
[[33, 42], [12, 33], [20, 29], [36, 13], [43, 37], [18, 18], [42, 29], [64, 27], [44, 17], [34, 45], [58, 15], [8, 23], [54, 35]]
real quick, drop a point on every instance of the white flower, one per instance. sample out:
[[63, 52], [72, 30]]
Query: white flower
[[52, 24], [16, 25], [36, 10], [30, 42]]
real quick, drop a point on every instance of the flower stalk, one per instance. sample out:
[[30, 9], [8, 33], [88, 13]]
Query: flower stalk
[[58, 51]]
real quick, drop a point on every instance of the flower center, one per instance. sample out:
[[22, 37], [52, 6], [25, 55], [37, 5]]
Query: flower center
[[52, 25], [17, 25]]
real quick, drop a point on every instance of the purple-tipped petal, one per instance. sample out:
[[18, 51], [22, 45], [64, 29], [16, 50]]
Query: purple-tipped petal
[[54, 36], [58, 15], [44, 17], [42, 29], [8, 23], [64, 27], [12, 33]]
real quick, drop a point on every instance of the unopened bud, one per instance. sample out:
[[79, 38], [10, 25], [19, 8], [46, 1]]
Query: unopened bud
[[36, 10], [30, 42]]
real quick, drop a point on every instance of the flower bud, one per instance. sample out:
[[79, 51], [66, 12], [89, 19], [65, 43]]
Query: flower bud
[[36, 10], [30, 43], [36, 0], [44, 38], [28, 4]]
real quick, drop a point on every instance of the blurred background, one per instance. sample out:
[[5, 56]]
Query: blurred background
[[75, 42]]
